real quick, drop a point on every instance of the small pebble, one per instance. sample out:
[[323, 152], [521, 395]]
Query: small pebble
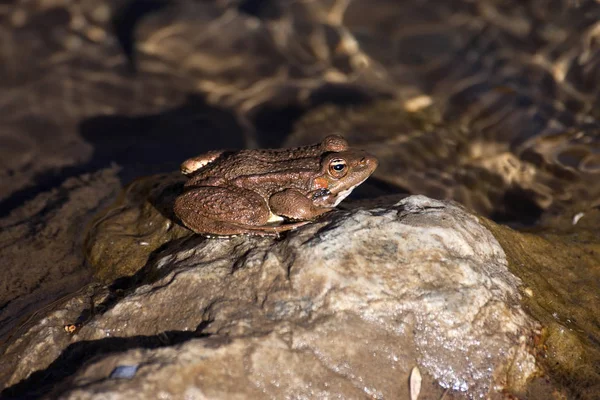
[[124, 372], [415, 383], [577, 217]]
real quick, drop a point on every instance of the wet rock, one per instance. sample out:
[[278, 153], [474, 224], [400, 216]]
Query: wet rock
[[140, 221], [346, 306], [41, 244]]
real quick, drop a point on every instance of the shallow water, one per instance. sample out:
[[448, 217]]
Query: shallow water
[[560, 269]]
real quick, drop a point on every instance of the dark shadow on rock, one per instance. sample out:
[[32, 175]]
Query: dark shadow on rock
[[55, 378], [163, 200], [143, 145]]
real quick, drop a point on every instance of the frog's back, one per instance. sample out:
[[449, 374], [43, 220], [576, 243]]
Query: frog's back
[[247, 163], [295, 162]]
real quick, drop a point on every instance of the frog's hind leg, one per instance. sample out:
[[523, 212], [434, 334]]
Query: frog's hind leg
[[222, 211]]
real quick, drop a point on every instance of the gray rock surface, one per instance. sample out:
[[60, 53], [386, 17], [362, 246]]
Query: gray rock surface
[[345, 307]]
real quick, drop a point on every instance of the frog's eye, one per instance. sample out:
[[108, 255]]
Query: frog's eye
[[338, 168]]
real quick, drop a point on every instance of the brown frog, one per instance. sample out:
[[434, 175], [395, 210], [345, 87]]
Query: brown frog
[[264, 192]]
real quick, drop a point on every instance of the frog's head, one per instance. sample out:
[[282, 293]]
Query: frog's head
[[340, 173]]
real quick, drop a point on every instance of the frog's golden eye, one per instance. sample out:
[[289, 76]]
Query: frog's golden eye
[[338, 168]]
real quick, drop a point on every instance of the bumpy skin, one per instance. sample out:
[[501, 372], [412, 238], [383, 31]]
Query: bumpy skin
[[253, 191]]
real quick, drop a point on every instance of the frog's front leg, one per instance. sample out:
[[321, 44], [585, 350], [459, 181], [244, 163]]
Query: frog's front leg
[[222, 211], [293, 204]]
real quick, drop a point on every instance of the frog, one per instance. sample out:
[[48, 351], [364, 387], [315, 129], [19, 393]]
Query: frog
[[268, 191]]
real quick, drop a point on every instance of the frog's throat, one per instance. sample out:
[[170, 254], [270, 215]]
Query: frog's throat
[[345, 193]]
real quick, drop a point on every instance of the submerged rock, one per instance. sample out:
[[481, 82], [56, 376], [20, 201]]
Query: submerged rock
[[122, 238], [560, 270], [343, 307]]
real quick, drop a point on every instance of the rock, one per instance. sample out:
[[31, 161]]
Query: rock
[[492, 105], [123, 236], [345, 307], [41, 244]]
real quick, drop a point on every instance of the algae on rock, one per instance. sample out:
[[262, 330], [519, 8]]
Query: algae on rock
[[122, 238], [560, 271]]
